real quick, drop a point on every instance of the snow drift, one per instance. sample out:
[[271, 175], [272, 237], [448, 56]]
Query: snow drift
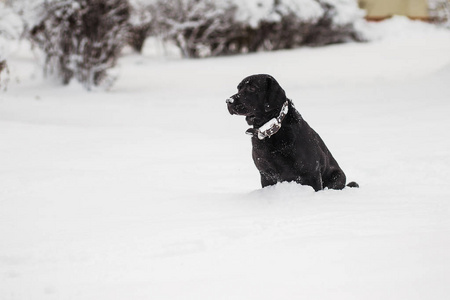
[[149, 192]]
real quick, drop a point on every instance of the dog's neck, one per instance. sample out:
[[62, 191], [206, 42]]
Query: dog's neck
[[272, 126]]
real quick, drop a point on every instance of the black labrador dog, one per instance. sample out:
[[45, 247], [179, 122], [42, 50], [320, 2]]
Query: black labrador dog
[[285, 147]]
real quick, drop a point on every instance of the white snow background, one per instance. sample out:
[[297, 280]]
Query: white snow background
[[148, 191]]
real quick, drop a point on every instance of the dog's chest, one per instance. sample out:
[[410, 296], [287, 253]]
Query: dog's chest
[[273, 155]]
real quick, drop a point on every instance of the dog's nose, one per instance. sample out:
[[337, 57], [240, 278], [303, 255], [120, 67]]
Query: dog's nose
[[230, 100]]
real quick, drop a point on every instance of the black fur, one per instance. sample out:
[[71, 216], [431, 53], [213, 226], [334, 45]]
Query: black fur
[[296, 152]]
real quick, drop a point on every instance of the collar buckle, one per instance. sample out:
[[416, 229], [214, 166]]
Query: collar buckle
[[272, 126]]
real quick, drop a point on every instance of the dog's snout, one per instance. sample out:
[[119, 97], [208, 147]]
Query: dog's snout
[[233, 99]]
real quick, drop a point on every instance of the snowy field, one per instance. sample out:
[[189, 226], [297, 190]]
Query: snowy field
[[148, 191]]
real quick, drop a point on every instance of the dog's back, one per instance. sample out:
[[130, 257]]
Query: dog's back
[[296, 153]]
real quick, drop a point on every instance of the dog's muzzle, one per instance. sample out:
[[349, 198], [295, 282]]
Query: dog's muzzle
[[231, 105]]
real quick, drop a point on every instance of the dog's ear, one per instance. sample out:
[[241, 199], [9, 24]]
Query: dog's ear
[[275, 95]]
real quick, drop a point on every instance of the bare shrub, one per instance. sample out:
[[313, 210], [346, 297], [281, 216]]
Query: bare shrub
[[198, 28], [440, 12], [140, 24], [212, 27], [81, 38]]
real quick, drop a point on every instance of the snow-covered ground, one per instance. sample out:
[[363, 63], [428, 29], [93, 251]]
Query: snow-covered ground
[[149, 191]]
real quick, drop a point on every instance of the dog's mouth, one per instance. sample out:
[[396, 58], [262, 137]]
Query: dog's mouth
[[237, 109], [240, 110], [232, 109]]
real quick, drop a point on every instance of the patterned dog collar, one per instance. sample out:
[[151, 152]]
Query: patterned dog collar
[[272, 126]]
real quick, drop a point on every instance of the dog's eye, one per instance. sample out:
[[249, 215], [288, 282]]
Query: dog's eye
[[251, 89]]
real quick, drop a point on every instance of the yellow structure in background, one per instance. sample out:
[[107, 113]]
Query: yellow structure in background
[[381, 9]]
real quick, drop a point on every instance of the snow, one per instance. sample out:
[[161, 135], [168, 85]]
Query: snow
[[148, 191], [253, 12], [347, 11], [10, 29]]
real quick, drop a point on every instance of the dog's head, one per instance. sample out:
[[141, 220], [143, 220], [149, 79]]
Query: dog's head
[[259, 98]]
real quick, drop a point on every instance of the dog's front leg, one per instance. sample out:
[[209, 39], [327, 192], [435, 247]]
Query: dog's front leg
[[315, 181], [267, 180]]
